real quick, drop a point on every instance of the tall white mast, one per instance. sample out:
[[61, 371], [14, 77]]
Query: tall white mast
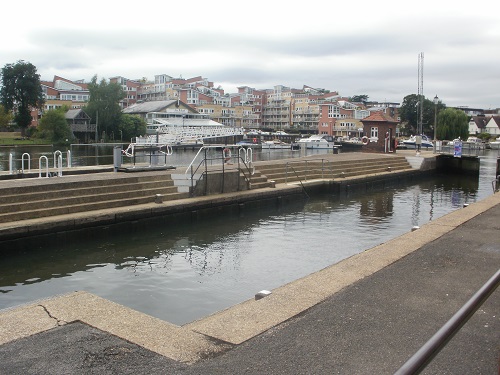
[[420, 108]]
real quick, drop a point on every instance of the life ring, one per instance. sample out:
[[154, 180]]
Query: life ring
[[226, 154], [365, 140]]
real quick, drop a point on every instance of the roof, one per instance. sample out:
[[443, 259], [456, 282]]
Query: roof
[[378, 116], [72, 113], [155, 106]]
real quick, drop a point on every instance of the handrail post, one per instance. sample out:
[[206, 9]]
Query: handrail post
[[22, 162], [432, 347], [43, 157], [11, 163]]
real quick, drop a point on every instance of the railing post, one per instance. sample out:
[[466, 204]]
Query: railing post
[[22, 162], [11, 164], [432, 347], [43, 157], [59, 167], [68, 157]]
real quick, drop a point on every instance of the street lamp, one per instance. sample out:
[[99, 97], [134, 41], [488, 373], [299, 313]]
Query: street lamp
[[436, 101]]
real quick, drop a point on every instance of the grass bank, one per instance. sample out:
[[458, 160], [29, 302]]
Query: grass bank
[[15, 138]]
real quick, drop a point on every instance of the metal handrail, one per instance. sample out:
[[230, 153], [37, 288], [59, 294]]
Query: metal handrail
[[325, 165], [432, 347], [241, 160], [300, 181]]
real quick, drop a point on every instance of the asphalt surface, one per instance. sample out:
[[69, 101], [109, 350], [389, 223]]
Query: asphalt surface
[[370, 327]]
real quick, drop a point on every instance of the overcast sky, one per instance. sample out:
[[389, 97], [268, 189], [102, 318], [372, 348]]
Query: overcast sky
[[353, 47]]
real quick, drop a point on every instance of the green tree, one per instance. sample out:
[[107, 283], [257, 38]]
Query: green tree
[[409, 114], [359, 98], [21, 91], [5, 117], [54, 127], [103, 106], [452, 123], [131, 126]]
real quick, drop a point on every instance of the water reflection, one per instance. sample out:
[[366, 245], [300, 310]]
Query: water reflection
[[185, 269]]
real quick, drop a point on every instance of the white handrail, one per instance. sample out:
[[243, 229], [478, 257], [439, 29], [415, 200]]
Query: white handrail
[[11, 164], [22, 162], [40, 166], [56, 153]]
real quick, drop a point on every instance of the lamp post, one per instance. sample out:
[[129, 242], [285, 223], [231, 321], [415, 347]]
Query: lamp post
[[436, 101]]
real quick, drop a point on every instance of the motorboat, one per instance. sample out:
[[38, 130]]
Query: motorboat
[[250, 143], [352, 143], [275, 144], [495, 145], [318, 142], [411, 143]]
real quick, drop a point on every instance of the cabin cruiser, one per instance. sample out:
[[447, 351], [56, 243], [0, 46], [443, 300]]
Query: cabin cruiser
[[275, 144], [412, 142], [318, 142], [495, 145]]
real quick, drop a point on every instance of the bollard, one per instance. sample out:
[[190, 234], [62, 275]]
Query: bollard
[[262, 294]]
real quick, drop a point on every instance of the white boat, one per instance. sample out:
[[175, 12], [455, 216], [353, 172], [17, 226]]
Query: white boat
[[250, 143], [275, 144], [412, 142], [318, 142], [495, 145]]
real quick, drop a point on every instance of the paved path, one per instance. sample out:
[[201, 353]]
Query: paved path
[[365, 315]]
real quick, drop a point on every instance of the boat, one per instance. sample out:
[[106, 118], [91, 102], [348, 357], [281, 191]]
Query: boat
[[411, 143], [250, 143], [318, 142], [350, 143], [275, 144], [495, 145]]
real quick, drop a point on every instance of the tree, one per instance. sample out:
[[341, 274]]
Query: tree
[[452, 123], [5, 117], [359, 98], [54, 127], [103, 106], [131, 126], [21, 91], [409, 114]]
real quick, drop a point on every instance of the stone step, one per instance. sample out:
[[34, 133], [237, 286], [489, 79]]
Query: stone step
[[62, 201], [61, 190], [47, 184], [78, 208]]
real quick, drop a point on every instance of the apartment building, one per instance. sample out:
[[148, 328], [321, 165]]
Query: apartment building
[[130, 88], [58, 93]]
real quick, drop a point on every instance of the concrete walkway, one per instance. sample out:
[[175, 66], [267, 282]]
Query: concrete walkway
[[365, 315]]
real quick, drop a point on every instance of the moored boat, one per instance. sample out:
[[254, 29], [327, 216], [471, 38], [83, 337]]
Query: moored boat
[[275, 144], [411, 143]]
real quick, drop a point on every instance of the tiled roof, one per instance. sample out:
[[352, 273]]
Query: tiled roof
[[378, 116]]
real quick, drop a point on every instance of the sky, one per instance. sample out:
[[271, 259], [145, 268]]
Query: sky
[[355, 48]]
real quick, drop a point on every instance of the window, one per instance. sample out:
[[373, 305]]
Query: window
[[374, 132]]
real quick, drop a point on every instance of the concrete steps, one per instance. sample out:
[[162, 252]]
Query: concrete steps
[[60, 197], [316, 169]]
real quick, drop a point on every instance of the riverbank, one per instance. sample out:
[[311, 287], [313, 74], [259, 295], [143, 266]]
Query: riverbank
[[367, 314]]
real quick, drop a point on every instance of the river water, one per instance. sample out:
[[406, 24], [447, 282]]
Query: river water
[[184, 271]]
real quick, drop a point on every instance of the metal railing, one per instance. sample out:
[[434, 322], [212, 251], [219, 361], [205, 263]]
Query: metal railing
[[432, 347], [310, 169], [220, 162]]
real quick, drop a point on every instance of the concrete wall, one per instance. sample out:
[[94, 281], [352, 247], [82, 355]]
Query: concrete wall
[[218, 182], [465, 164]]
